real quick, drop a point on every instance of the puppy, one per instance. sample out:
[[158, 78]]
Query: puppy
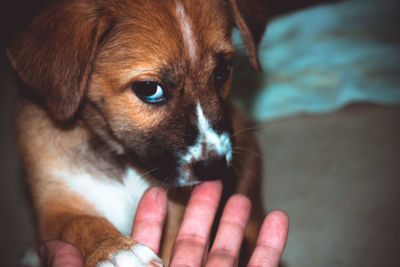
[[125, 94]]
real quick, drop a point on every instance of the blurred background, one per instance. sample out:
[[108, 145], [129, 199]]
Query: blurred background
[[327, 108]]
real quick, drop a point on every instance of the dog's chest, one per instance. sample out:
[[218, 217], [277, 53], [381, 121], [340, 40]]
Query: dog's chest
[[116, 200]]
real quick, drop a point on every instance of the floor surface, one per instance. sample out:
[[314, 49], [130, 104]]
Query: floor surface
[[338, 178]]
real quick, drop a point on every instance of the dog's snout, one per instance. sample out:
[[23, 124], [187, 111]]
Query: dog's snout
[[210, 169]]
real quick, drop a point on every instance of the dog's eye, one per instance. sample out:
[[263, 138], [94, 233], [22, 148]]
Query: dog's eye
[[148, 91], [221, 72]]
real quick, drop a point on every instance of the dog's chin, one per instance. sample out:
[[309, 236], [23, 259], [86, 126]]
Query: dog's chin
[[181, 182], [184, 182], [188, 179]]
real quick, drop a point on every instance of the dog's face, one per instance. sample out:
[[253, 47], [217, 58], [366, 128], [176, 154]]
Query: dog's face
[[161, 83], [156, 76]]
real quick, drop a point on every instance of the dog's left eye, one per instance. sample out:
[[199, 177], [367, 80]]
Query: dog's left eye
[[221, 72], [148, 91]]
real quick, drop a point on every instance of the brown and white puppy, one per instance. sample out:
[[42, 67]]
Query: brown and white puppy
[[124, 94]]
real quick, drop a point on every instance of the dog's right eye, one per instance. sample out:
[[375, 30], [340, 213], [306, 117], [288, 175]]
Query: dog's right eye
[[148, 91]]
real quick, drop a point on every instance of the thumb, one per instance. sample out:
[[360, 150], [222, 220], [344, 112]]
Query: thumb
[[57, 253]]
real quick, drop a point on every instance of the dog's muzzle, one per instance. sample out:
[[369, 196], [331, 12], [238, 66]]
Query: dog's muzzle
[[210, 169]]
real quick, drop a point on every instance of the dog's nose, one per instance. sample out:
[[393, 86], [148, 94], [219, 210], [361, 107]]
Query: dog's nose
[[211, 169]]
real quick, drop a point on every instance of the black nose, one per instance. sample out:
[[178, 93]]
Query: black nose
[[211, 169]]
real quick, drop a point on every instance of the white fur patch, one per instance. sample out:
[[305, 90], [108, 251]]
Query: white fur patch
[[138, 256], [220, 143], [186, 29], [209, 140], [115, 200]]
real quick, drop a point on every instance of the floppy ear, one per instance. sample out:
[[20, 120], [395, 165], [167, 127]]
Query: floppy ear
[[250, 16], [53, 54]]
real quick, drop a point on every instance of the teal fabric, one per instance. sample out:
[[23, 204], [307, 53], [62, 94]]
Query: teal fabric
[[320, 59]]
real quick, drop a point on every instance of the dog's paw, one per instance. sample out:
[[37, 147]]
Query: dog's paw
[[138, 256]]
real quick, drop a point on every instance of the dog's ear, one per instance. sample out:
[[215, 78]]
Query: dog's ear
[[250, 17], [53, 54]]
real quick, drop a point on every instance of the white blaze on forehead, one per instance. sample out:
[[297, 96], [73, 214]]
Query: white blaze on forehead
[[186, 29]]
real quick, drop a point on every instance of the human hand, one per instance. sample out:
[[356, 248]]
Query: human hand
[[191, 245]]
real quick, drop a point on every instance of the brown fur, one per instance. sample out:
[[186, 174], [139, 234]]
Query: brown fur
[[82, 78]]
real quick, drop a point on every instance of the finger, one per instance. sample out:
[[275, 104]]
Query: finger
[[192, 239], [149, 219], [60, 254], [230, 232], [271, 240]]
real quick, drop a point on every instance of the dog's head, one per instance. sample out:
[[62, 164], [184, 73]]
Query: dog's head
[[150, 78]]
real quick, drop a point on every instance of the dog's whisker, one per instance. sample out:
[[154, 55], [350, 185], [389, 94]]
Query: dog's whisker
[[249, 129], [242, 149], [235, 169], [147, 173]]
